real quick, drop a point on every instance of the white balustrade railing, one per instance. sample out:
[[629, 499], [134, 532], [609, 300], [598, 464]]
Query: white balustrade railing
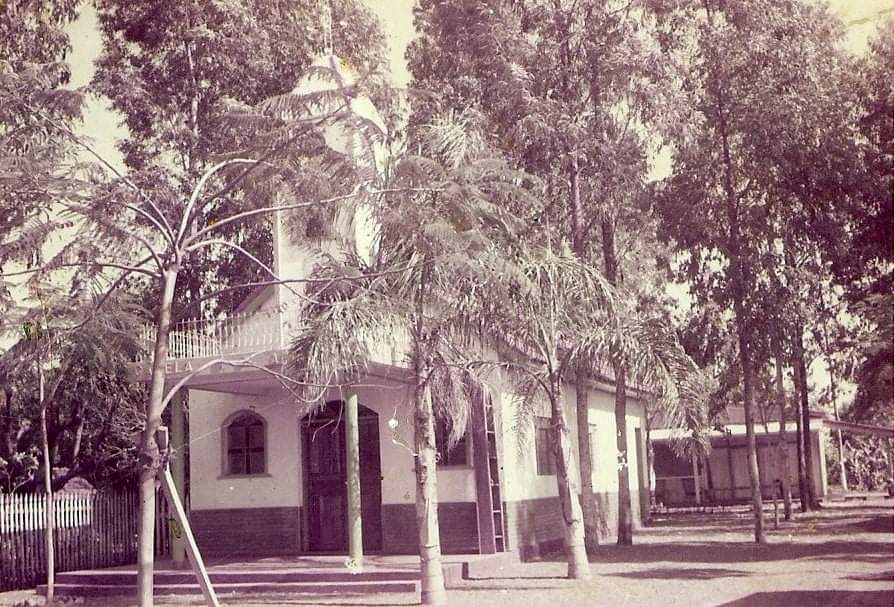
[[241, 333]]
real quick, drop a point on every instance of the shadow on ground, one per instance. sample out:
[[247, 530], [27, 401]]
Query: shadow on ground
[[819, 598], [879, 524], [882, 576], [688, 573], [287, 600], [738, 552], [834, 521]]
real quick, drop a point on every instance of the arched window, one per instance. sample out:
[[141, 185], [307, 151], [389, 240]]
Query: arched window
[[245, 445]]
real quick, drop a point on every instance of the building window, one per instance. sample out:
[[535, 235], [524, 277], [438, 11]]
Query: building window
[[543, 445], [455, 456], [245, 445]]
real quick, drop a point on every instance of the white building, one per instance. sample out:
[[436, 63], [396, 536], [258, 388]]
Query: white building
[[267, 473], [721, 477]]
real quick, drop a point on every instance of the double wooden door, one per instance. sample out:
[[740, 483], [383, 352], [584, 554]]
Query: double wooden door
[[326, 480]]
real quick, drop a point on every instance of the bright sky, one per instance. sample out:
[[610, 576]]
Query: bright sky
[[101, 125], [396, 17]]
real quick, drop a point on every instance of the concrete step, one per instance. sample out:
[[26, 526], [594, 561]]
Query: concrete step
[[111, 577], [313, 578], [256, 587]]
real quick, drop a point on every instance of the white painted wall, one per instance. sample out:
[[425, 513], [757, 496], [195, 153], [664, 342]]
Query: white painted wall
[[283, 484], [455, 484], [520, 478], [518, 458], [291, 260], [209, 487]]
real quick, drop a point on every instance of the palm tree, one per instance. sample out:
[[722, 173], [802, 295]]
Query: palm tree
[[552, 311], [421, 280], [565, 322], [645, 350]]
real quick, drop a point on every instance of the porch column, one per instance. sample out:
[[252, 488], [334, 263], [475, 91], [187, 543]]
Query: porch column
[[732, 468], [698, 479], [355, 519], [178, 472]]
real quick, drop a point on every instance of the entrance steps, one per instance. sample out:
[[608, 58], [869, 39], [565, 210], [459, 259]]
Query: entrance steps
[[313, 575], [112, 582]]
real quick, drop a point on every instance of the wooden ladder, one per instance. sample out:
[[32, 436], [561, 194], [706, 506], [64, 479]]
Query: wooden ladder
[[493, 467], [491, 517]]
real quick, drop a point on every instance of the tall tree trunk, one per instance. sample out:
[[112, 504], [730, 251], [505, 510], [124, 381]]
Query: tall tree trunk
[[625, 512], [748, 402], [798, 353], [431, 570], [802, 479], [585, 447], [49, 516], [588, 497], [801, 400], [572, 515], [45, 398], [738, 287], [149, 453], [781, 445]]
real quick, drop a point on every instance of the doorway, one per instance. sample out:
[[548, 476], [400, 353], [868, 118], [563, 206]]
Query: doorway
[[325, 479]]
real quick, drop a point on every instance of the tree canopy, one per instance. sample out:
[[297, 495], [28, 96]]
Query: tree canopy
[[174, 71]]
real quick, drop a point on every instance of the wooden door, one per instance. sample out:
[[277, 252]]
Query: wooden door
[[326, 494], [326, 480]]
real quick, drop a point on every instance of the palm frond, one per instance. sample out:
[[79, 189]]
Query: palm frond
[[528, 405], [454, 139], [679, 389], [343, 327]]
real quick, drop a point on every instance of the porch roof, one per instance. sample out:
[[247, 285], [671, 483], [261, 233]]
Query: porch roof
[[253, 374]]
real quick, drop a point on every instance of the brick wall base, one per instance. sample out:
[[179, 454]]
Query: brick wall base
[[535, 526], [277, 531], [247, 531], [457, 521]]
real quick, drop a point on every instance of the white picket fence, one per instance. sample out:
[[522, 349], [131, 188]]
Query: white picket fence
[[27, 512], [92, 529]]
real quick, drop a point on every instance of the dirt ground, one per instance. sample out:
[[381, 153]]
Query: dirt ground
[[842, 556]]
